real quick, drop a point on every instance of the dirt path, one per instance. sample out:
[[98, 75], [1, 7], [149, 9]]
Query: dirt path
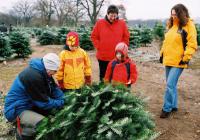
[[183, 125]]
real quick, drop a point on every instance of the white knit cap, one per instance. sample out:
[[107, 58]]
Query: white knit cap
[[51, 61]]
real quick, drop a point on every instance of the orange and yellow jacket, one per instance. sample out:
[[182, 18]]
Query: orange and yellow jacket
[[74, 67], [172, 48]]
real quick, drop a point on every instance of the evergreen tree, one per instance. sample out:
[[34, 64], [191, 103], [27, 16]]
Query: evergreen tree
[[61, 36], [146, 35], [85, 42], [37, 31], [159, 30], [20, 43], [47, 38], [99, 113], [5, 49], [131, 36], [198, 33], [137, 37]]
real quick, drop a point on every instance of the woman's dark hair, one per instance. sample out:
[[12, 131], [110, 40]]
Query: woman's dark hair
[[181, 13], [112, 9]]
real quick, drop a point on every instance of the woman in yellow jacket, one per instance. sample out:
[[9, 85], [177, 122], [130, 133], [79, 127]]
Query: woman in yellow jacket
[[173, 55], [75, 66]]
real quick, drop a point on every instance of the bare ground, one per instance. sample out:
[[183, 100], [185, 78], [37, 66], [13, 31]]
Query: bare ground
[[183, 125]]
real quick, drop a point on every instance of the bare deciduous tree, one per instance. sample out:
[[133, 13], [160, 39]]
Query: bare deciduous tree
[[23, 10], [44, 12], [93, 8], [61, 8], [78, 11], [122, 11], [45, 9], [7, 19], [68, 11]]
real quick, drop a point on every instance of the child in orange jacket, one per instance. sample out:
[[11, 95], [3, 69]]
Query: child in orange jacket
[[121, 70], [75, 67]]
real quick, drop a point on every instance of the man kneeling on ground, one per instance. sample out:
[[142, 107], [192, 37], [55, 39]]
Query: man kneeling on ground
[[33, 95]]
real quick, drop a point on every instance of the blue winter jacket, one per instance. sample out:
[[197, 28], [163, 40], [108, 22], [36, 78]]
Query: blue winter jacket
[[32, 88]]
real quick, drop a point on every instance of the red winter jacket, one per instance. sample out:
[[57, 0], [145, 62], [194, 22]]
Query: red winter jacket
[[120, 74], [106, 36]]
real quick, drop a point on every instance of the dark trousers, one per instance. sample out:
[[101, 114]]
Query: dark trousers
[[102, 69]]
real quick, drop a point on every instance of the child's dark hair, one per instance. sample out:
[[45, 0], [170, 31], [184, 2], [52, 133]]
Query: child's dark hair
[[112, 9]]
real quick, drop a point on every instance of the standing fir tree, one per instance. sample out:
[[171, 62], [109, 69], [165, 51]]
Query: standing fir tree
[[85, 41], [37, 31], [146, 35], [131, 36], [61, 35], [135, 36], [198, 33], [159, 31], [20, 43], [47, 38], [5, 49]]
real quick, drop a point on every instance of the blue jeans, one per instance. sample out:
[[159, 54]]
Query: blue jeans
[[171, 96]]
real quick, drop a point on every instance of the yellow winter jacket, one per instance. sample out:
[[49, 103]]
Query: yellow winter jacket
[[172, 48], [74, 66]]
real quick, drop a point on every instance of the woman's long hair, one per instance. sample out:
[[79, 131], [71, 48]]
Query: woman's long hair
[[181, 13]]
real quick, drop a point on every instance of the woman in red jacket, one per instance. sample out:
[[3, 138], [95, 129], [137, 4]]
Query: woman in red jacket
[[122, 69], [106, 34]]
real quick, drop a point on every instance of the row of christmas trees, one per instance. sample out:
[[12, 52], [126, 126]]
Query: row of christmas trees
[[18, 41]]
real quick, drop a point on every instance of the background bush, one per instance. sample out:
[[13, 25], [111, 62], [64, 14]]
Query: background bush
[[20, 43], [5, 49], [61, 35], [198, 33], [47, 38], [159, 31], [85, 42]]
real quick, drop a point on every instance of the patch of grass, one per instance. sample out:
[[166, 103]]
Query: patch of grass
[[5, 127]]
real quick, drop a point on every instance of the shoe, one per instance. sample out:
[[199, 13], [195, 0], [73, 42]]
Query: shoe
[[22, 137], [164, 114], [174, 109]]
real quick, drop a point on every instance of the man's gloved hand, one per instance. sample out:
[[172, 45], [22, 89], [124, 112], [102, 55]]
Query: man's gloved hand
[[60, 84], [88, 80], [183, 62]]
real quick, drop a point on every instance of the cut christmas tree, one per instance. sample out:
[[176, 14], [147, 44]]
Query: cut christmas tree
[[99, 112]]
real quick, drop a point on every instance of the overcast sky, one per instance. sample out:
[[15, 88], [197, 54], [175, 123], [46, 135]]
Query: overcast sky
[[153, 9], [140, 9]]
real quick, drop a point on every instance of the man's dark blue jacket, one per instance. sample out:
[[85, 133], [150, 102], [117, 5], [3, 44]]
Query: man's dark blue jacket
[[32, 88]]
